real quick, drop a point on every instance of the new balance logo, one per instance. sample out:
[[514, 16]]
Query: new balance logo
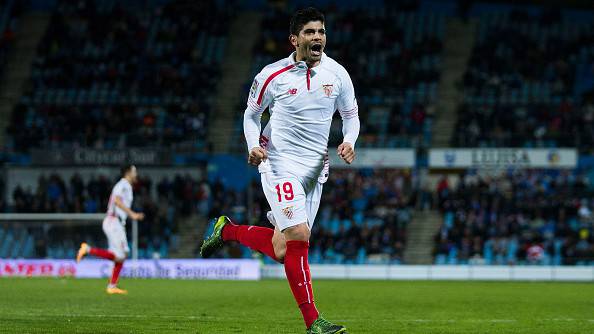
[[292, 91]]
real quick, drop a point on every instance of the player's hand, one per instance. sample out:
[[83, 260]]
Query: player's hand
[[137, 216], [257, 155], [346, 152]]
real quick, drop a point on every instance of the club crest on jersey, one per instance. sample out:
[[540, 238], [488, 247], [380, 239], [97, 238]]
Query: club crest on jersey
[[254, 89], [328, 89], [288, 212]]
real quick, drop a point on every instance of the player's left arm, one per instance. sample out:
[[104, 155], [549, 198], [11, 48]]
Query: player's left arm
[[349, 112], [134, 215]]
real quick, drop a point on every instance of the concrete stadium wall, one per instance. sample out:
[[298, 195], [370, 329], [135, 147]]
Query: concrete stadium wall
[[472, 273]]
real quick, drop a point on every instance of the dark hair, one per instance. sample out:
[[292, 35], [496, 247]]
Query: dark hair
[[125, 169], [304, 16]]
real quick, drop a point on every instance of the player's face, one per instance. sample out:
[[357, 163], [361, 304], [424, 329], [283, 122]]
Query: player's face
[[133, 174], [310, 42]]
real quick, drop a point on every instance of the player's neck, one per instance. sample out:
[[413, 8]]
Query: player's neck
[[299, 57]]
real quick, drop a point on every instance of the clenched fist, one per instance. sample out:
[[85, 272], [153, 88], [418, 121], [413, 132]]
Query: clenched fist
[[346, 152], [257, 155]]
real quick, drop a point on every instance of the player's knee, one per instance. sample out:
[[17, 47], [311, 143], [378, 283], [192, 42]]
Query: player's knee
[[280, 246], [299, 232], [280, 249]]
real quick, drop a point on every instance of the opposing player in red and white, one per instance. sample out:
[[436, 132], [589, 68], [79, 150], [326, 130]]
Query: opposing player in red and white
[[114, 226], [302, 93]]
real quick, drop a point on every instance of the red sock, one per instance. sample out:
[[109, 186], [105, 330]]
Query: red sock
[[255, 237], [298, 275], [102, 253], [115, 274]]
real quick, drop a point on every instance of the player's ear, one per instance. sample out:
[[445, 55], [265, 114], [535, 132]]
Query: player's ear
[[293, 40]]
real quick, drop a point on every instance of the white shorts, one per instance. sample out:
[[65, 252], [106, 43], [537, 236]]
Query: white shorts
[[116, 237], [292, 200]]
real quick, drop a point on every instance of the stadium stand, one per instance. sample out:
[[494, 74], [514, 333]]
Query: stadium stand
[[108, 76], [529, 83], [517, 217]]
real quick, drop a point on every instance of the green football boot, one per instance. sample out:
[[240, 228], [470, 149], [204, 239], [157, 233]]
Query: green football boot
[[323, 326], [215, 241]]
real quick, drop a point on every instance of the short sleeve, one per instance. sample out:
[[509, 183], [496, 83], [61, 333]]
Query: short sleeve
[[118, 190]]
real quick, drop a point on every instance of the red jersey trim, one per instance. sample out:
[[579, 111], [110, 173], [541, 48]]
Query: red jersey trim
[[270, 78]]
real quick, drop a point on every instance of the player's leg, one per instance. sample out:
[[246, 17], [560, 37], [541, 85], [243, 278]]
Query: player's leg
[[85, 249], [297, 270], [312, 203], [254, 237], [297, 267], [279, 243], [287, 199], [118, 245]]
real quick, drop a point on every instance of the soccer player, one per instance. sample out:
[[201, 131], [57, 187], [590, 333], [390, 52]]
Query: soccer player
[[114, 226], [302, 93]]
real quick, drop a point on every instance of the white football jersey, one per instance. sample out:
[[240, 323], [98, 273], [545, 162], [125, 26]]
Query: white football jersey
[[123, 190], [301, 102]]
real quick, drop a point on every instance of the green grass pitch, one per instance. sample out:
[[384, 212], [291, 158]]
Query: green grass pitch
[[173, 306]]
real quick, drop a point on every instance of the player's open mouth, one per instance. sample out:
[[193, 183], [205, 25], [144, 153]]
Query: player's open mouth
[[316, 50]]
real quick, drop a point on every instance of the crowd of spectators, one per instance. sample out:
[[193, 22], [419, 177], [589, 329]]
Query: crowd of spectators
[[392, 54], [517, 217], [529, 83], [362, 218], [116, 76], [176, 126], [535, 124]]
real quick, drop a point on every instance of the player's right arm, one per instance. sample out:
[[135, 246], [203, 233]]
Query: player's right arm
[[134, 215], [259, 98]]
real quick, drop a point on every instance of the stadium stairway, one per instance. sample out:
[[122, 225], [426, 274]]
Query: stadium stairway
[[191, 231], [420, 233], [243, 36], [458, 45], [18, 66]]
